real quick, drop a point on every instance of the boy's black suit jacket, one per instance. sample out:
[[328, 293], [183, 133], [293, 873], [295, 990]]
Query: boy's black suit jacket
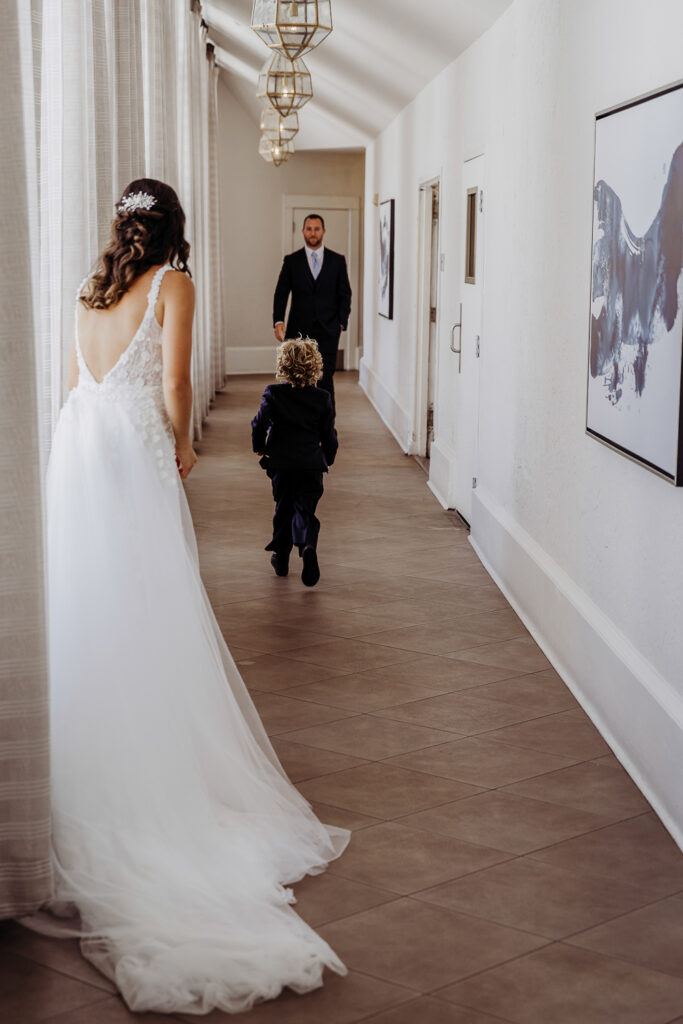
[[295, 428], [325, 300]]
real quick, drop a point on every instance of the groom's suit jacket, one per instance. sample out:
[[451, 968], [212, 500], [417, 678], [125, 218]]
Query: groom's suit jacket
[[325, 301]]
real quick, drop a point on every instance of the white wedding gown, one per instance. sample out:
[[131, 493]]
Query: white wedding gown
[[175, 827]]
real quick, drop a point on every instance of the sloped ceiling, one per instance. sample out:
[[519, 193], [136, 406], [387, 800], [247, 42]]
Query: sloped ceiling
[[379, 56]]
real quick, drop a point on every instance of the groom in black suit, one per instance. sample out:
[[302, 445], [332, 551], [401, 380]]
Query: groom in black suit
[[318, 281]]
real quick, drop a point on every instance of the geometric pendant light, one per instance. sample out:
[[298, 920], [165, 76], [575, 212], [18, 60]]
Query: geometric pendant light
[[291, 29], [275, 152], [278, 128], [285, 84]]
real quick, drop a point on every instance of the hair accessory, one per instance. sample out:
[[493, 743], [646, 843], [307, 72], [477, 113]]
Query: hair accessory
[[137, 201]]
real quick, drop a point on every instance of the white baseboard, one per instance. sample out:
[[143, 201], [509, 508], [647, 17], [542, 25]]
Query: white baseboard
[[388, 408], [441, 462], [637, 710], [250, 359]]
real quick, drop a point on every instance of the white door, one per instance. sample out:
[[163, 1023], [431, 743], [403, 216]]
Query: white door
[[466, 340], [433, 299], [342, 235]]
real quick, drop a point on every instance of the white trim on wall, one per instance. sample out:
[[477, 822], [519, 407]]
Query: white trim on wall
[[397, 419], [250, 359], [637, 711]]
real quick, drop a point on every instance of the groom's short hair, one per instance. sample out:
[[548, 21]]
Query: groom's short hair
[[314, 216]]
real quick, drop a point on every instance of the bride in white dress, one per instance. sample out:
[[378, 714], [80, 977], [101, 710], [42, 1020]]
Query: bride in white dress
[[175, 827]]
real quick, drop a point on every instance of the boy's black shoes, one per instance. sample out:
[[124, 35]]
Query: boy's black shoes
[[280, 563], [310, 574]]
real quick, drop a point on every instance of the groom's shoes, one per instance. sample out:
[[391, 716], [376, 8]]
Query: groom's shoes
[[310, 574], [280, 563]]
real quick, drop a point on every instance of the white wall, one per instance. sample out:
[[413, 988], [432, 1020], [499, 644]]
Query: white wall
[[251, 205], [587, 545]]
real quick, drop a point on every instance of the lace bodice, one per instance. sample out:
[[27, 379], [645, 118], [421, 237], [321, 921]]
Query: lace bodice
[[134, 383], [140, 363]]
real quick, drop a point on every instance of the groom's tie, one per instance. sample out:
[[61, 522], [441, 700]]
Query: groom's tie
[[315, 270]]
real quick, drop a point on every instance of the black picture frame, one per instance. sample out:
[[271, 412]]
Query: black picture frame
[[386, 259], [634, 402]]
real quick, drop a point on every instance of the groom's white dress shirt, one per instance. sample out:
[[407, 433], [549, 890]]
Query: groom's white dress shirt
[[315, 256]]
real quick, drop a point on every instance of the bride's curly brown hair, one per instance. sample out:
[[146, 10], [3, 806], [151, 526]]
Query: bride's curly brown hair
[[140, 239]]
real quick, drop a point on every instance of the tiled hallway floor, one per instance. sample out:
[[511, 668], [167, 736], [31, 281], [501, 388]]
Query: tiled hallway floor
[[503, 866]]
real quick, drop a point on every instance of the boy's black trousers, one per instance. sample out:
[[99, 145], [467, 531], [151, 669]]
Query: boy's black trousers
[[296, 493]]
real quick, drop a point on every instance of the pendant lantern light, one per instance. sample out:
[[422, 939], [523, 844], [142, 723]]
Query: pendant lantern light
[[275, 152], [292, 29], [277, 128], [285, 84]]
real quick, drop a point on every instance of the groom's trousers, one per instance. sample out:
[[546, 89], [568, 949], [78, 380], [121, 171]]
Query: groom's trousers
[[296, 493]]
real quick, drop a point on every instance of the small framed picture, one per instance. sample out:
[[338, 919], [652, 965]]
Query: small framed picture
[[386, 259], [635, 361]]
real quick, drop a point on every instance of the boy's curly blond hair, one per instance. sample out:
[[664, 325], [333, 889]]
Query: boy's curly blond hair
[[299, 362]]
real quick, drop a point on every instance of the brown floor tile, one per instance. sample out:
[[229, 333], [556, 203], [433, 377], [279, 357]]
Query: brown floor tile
[[423, 947], [539, 898], [268, 673], [500, 625], [428, 1010], [428, 638], [304, 762], [348, 655], [328, 897], [438, 671], [375, 738], [282, 714], [383, 615], [342, 817], [520, 655], [569, 732], [270, 639], [465, 713], [542, 692], [480, 761], [605, 789], [63, 955], [109, 1011], [403, 860], [30, 992], [651, 937], [505, 822], [382, 790], [341, 1000], [565, 985], [362, 692], [638, 851]]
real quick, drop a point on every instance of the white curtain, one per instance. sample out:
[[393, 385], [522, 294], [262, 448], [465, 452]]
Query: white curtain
[[128, 91], [25, 879], [96, 93]]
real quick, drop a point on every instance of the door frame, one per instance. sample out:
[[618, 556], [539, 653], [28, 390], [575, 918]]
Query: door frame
[[352, 343], [424, 275]]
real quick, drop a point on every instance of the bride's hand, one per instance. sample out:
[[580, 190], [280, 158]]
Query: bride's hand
[[185, 457]]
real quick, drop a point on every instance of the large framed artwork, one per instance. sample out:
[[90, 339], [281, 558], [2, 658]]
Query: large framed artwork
[[386, 259], [636, 322]]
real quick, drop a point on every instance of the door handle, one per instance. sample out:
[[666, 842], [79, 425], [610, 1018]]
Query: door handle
[[457, 351]]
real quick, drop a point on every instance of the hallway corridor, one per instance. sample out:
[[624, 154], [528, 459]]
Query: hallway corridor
[[503, 866]]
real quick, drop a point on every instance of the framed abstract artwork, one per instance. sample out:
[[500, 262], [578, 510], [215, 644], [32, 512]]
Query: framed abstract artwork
[[386, 259], [636, 319]]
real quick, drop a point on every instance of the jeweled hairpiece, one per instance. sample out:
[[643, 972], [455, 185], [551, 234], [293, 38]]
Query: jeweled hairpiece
[[137, 201]]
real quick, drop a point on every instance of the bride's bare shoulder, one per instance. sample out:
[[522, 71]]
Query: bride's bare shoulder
[[177, 283]]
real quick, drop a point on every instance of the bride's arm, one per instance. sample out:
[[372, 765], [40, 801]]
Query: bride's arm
[[177, 310]]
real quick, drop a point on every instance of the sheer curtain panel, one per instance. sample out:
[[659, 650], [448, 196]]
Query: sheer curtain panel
[[25, 879], [127, 91]]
